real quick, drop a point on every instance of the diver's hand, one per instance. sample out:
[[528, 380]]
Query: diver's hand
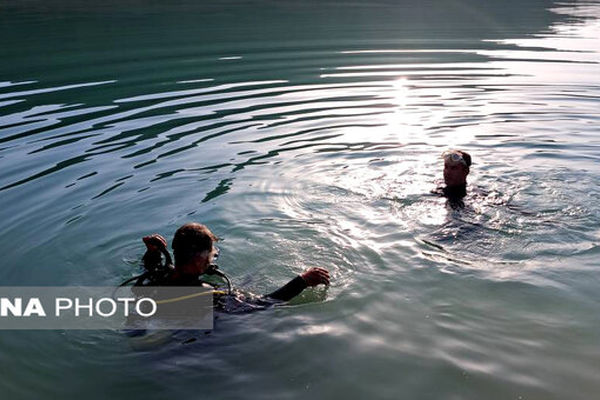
[[155, 242], [315, 276]]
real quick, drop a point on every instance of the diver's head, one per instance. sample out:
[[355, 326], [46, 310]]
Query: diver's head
[[456, 167], [193, 248]]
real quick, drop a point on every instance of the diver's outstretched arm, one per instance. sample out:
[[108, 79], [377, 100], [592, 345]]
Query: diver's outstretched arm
[[310, 277]]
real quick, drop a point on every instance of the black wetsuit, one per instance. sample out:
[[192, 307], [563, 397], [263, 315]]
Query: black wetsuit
[[285, 293], [454, 194], [234, 301]]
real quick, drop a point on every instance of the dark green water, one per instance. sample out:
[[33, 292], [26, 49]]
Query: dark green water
[[309, 134]]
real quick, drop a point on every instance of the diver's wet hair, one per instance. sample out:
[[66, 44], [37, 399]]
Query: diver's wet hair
[[191, 239], [466, 156]]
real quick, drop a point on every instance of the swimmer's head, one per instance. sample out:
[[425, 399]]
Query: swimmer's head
[[456, 167], [193, 247]]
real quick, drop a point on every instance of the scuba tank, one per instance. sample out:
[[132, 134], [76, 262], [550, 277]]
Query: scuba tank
[[155, 269]]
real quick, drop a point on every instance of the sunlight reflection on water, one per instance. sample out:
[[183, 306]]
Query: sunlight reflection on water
[[305, 143]]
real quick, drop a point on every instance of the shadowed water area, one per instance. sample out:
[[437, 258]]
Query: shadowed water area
[[309, 134]]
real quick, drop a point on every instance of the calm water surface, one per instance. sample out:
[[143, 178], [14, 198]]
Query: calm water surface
[[304, 134]]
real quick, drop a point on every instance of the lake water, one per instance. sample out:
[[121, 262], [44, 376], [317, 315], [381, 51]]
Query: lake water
[[309, 134]]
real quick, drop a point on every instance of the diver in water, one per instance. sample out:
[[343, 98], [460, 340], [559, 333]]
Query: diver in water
[[457, 165], [194, 251]]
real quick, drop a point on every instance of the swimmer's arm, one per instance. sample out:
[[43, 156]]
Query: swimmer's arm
[[311, 277]]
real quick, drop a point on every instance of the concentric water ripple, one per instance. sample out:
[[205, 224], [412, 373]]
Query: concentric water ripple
[[310, 134]]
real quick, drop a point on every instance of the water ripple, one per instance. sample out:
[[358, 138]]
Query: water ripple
[[316, 145]]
